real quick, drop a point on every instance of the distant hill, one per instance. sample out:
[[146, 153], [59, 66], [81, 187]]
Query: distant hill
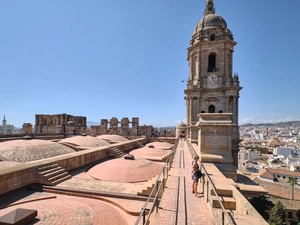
[[281, 124], [92, 123]]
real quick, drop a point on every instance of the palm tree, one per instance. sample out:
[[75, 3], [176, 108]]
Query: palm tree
[[292, 181]]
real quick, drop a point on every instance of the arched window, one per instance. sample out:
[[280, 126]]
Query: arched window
[[212, 37], [202, 111], [211, 109], [220, 111], [212, 62]]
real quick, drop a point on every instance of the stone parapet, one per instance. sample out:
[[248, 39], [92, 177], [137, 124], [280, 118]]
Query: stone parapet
[[242, 212]]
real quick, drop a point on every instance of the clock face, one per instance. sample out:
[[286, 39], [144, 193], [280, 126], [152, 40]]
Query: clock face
[[213, 79]]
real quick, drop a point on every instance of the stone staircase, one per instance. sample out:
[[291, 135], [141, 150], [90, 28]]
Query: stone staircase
[[226, 198], [117, 152], [147, 187], [53, 174], [139, 144]]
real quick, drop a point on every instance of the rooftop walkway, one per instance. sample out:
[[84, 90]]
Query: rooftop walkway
[[186, 209]]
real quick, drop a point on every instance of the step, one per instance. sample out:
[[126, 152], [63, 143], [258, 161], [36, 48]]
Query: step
[[224, 192], [227, 202], [58, 176], [50, 170], [54, 172], [47, 167], [61, 180]]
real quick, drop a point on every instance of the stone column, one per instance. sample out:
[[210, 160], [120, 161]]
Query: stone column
[[135, 126], [124, 126]]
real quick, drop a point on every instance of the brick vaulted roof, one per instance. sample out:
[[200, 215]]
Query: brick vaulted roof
[[125, 170], [112, 138], [146, 151], [159, 144], [31, 150], [86, 141]]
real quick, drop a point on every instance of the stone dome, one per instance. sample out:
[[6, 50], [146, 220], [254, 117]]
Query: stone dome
[[31, 150], [147, 152], [210, 21], [273, 142], [86, 141], [181, 125], [158, 144], [65, 209], [112, 138], [124, 170]]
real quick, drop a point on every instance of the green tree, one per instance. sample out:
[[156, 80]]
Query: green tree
[[292, 181], [277, 214], [262, 204]]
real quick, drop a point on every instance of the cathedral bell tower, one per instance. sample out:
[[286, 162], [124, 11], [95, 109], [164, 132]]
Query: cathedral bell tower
[[212, 87]]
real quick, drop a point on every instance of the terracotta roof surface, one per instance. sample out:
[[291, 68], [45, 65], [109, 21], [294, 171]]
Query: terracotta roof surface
[[146, 151], [62, 209], [86, 141], [122, 170], [273, 142], [112, 138], [31, 150], [158, 144]]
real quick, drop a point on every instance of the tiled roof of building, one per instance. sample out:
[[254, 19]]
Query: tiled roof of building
[[288, 203], [273, 142]]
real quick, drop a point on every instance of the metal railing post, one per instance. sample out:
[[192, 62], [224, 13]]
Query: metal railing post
[[223, 219]]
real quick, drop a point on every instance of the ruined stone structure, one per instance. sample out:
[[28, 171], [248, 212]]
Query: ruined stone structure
[[123, 127], [212, 87], [27, 129], [59, 124]]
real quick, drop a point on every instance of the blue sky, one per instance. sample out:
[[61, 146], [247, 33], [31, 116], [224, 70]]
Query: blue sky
[[116, 58]]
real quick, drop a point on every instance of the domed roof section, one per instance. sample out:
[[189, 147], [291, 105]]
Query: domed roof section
[[149, 153], [273, 142], [211, 27], [124, 170], [181, 125], [31, 150], [112, 138], [160, 144], [210, 21], [86, 141]]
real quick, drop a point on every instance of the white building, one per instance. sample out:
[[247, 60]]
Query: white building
[[286, 152], [248, 155], [6, 128]]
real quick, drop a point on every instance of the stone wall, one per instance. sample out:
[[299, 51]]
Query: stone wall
[[57, 124]]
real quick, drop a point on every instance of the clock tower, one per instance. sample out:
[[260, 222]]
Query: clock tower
[[212, 87]]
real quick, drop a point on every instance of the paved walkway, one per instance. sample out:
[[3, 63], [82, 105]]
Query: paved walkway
[[191, 210]]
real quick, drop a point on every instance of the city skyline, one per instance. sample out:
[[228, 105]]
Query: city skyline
[[110, 59]]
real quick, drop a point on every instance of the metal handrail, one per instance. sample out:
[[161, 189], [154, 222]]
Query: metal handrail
[[164, 173], [229, 218]]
